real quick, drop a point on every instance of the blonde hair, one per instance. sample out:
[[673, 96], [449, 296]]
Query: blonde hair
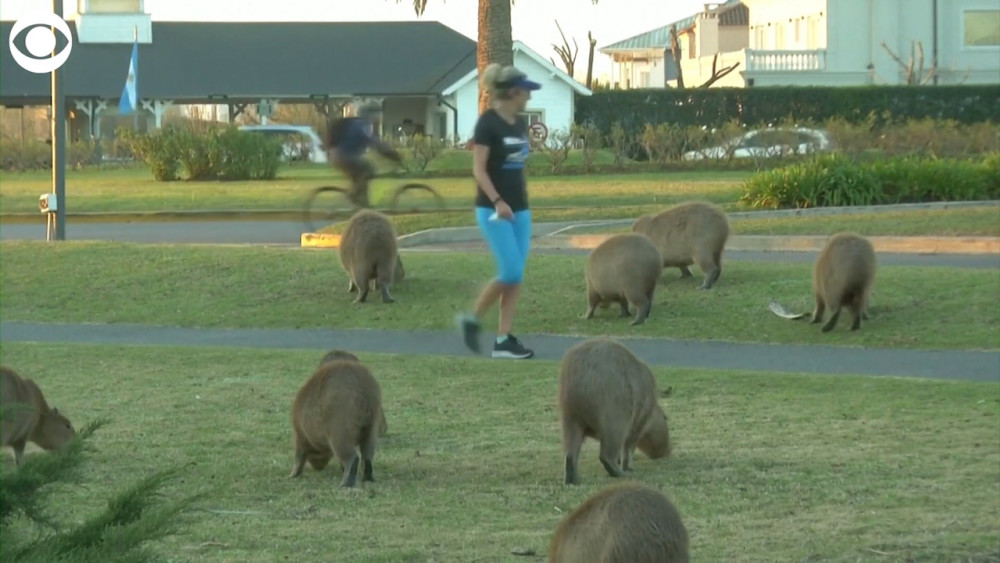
[[494, 75]]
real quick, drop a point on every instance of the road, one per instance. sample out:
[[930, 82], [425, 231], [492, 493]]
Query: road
[[832, 360], [289, 233]]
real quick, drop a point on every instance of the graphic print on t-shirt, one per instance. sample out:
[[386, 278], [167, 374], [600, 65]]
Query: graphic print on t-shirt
[[517, 150]]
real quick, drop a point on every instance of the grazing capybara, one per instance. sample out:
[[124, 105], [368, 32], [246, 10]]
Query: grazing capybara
[[623, 269], [336, 354], [608, 394], [628, 523], [397, 275], [843, 277], [27, 416], [689, 233], [334, 413], [368, 252]]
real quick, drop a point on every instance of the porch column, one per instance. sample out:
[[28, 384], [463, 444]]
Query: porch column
[[157, 108]]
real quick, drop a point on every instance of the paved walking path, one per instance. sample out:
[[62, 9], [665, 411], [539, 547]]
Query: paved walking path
[[949, 365]]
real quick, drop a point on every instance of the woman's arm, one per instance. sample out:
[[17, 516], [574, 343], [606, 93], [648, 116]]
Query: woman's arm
[[480, 155]]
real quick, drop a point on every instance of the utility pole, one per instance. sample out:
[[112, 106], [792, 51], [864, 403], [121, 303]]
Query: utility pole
[[59, 137]]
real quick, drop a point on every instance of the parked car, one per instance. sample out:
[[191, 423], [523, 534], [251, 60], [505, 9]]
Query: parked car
[[767, 143], [300, 142]]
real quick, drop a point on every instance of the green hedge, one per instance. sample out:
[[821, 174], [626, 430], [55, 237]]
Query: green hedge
[[206, 153], [713, 107], [839, 180]]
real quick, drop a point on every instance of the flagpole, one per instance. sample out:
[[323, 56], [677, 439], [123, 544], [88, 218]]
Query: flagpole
[[59, 138], [135, 110]]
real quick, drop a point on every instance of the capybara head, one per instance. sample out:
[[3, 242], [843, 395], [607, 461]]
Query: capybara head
[[338, 355], [641, 225], [655, 441], [53, 431]]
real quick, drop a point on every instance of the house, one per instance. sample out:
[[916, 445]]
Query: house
[[839, 42], [646, 60], [421, 72], [553, 105], [824, 43]]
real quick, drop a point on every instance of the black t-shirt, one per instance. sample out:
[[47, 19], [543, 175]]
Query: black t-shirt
[[509, 149]]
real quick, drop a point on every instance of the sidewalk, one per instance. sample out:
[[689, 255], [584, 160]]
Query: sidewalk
[[815, 359]]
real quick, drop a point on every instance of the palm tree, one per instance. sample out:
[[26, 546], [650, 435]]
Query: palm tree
[[495, 44]]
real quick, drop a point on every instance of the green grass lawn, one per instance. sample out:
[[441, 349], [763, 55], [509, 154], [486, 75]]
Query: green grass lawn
[[133, 190], [975, 221], [765, 467], [212, 286]]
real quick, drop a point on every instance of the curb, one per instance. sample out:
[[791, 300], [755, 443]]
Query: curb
[[153, 216], [889, 244]]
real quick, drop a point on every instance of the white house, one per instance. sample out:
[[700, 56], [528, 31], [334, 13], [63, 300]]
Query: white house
[[553, 105], [823, 43]]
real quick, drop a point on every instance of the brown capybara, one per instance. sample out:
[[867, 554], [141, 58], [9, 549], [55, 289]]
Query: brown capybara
[[608, 394], [336, 354], [628, 523], [689, 233], [368, 252], [334, 413], [843, 277], [27, 416], [623, 269]]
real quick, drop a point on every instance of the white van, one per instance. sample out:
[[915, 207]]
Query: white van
[[302, 141]]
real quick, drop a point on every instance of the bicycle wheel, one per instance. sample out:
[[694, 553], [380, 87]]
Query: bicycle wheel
[[326, 205], [438, 200]]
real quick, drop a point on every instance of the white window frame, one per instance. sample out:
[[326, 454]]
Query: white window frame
[[528, 113], [644, 77], [966, 47]]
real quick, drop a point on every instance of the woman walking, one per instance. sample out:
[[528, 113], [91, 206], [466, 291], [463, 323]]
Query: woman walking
[[500, 149]]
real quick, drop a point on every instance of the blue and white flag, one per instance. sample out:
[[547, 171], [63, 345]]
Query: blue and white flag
[[128, 101]]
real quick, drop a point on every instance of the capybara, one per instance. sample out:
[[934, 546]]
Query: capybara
[[27, 416], [334, 413], [623, 269], [336, 354], [608, 394], [843, 277], [368, 252], [689, 233], [628, 523]]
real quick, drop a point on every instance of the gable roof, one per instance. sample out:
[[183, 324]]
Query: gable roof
[[730, 13], [521, 47], [188, 61]]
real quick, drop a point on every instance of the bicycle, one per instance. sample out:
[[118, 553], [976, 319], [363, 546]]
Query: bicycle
[[319, 213]]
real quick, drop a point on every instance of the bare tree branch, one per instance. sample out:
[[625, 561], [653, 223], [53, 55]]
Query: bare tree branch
[[718, 74], [675, 52], [914, 69], [590, 59], [568, 57]]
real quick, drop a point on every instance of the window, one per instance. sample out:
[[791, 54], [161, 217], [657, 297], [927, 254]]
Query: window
[[981, 28], [533, 117], [798, 31], [644, 79], [779, 36], [812, 37], [759, 39]]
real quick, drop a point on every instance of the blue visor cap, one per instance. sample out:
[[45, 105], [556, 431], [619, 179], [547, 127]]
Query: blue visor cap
[[523, 82]]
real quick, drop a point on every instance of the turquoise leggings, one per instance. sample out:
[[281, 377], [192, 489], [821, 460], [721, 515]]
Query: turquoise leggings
[[509, 242]]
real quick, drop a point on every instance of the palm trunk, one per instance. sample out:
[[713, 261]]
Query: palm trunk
[[496, 45]]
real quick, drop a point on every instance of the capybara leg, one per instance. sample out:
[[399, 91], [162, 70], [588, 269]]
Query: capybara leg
[[572, 440], [817, 315], [711, 277], [685, 272], [857, 313], [624, 305], [833, 320], [386, 296], [349, 459], [300, 460], [641, 312], [368, 453], [351, 287], [611, 454], [18, 448], [593, 300], [363, 290], [711, 269]]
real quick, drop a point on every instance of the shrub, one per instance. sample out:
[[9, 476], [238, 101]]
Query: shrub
[[423, 150], [839, 180], [621, 145], [556, 148], [159, 150], [590, 140], [131, 519]]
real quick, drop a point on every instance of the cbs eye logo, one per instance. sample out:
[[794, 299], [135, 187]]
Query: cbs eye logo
[[40, 41]]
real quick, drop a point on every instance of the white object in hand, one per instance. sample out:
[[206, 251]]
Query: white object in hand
[[495, 217]]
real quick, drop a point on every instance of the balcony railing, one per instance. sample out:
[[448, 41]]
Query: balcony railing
[[785, 61]]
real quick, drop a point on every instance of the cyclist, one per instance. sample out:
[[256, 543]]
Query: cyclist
[[347, 141]]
